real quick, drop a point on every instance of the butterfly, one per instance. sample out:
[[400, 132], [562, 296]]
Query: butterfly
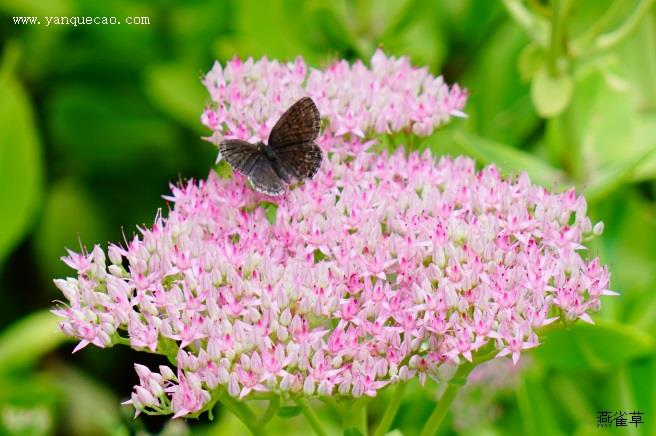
[[290, 153]]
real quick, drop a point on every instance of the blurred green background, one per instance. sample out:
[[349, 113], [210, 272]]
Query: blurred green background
[[95, 121]]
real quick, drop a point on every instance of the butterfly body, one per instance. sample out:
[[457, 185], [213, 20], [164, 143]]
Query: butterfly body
[[290, 153], [277, 165]]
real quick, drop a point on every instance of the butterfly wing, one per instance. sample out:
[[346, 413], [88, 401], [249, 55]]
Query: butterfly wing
[[299, 124], [264, 177], [302, 160], [241, 155], [292, 139]]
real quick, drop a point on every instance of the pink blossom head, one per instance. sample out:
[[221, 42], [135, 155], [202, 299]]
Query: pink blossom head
[[381, 268], [355, 101]]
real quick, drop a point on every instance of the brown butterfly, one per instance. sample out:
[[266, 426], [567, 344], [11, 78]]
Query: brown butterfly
[[290, 152]]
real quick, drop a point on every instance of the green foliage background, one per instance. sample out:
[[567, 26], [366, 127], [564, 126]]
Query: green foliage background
[[95, 121]]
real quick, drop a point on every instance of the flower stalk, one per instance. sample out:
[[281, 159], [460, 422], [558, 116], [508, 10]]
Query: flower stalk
[[311, 417], [444, 403], [391, 410]]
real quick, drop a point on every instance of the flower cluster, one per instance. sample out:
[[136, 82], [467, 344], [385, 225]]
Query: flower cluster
[[357, 101], [380, 269]]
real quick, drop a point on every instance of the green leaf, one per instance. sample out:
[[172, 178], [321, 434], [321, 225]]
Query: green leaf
[[551, 95], [603, 121], [103, 128], [289, 411], [500, 107], [507, 158], [353, 431], [69, 217], [332, 29], [92, 407], [531, 59], [565, 390], [645, 137], [606, 179], [29, 404], [535, 407], [423, 42], [641, 378], [599, 347], [29, 338], [406, 14], [20, 162], [637, 56], [266, 29], [176, 89], [270, 209]]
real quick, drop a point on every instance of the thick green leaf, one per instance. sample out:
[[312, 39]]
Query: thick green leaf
[[551, 95], [29, 338], [507, 158], [599, 347], [176, 89], [20, 163]]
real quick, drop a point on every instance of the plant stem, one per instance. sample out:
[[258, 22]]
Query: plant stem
[[534, 27], [356, 416], [274, 405], [608, 40], [444, 403], [311, 416], [332, 403], [391, 410], [241, 411], [361, 419], [583, 42], [556, 37], [436, 418]]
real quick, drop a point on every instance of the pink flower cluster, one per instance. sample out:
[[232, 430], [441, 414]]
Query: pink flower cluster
[[355, 100], [380, 269]]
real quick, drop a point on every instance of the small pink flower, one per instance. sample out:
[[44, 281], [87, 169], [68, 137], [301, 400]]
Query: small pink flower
[[187, 396]]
